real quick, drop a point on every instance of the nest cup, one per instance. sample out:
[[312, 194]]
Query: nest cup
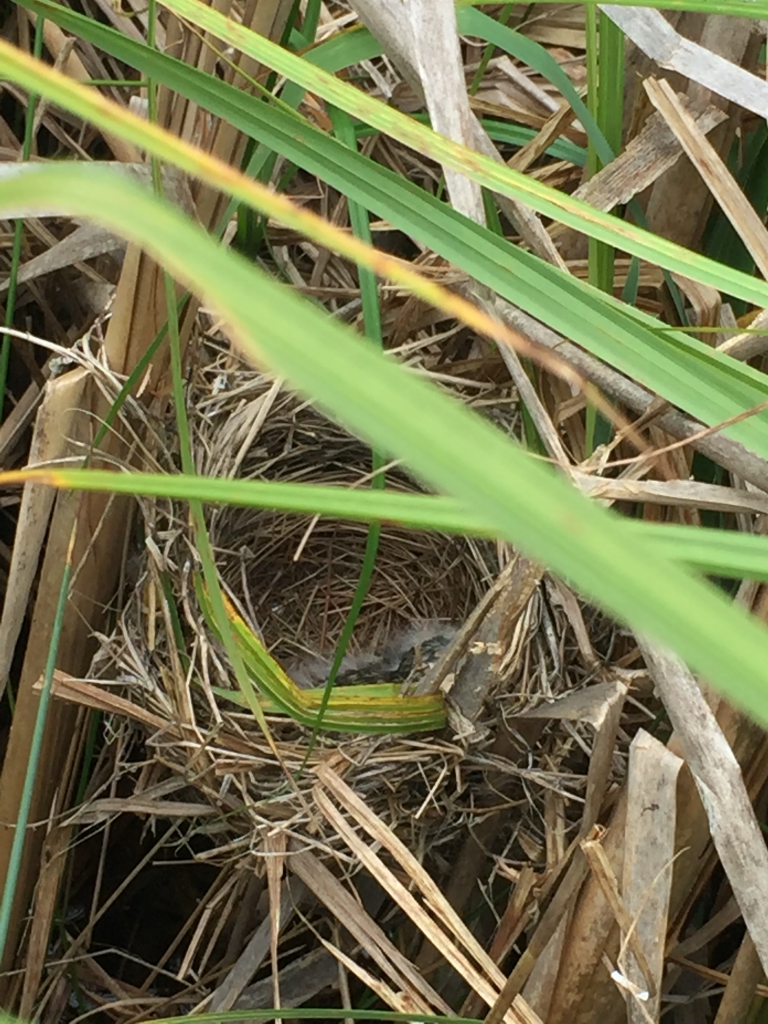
[[296, 576]]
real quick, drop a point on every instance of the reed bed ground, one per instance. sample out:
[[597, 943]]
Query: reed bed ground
[[384, 434]]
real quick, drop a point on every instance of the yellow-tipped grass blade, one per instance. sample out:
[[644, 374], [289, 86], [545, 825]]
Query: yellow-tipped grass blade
[[370, 708]]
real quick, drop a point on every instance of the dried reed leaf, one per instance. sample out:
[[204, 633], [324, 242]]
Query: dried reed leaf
[[551, 130], [680, 201], [516, 916], [739, 995], [751, 343], [83, 243], [46, 901], [649, 30], [385, 20], [648, 858], [541, 982], [234, 986], [275, 847], [734, 827], [607, 725], [720, 449], [709, 931], [550, 922], [684, 493], [482, 981], [401, 1002], [95, 572], [49, 442], [364, 929], [713, 170], [642, 162], [706, 304], [441, 71], [301, 980], [77, 691], [609, 885], [435, 902], [110, 807]]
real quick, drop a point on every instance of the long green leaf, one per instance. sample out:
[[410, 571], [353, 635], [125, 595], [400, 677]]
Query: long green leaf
[[708, 385], [483, 170], [719, 552], [448, 446]]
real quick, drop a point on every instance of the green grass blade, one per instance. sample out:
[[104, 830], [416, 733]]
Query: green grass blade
[[709, 386], [496, 177], [529, 52], [483, 170], [35, 753], [706, 550], [449, 447], [369, 293]]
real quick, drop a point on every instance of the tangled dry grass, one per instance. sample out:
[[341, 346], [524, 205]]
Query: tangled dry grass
[[293, 578], [493, 815], [532, 754], [297, 575]]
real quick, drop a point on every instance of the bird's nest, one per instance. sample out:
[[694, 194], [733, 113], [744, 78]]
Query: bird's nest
[[293, 579]]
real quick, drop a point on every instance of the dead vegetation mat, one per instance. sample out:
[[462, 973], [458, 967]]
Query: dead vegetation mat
[[491, 804], [207, 870]]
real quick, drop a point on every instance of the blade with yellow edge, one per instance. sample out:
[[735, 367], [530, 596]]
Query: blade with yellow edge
[[372, 708]]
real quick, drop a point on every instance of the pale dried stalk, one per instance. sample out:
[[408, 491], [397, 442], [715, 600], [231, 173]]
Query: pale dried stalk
[[438, 929], [601, 868], [649, 853], [732, 822], [357, 921], [385, 20], [722, 450], [438, 60], [713, 170], [652, 33]]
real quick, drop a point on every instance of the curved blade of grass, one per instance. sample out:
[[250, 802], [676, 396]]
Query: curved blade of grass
[[378, 711], [710, 386], [476, 23], [448, 446], [311, 1013]]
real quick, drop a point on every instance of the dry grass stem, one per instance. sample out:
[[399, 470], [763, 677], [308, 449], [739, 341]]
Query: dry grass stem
[[734, 827]]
